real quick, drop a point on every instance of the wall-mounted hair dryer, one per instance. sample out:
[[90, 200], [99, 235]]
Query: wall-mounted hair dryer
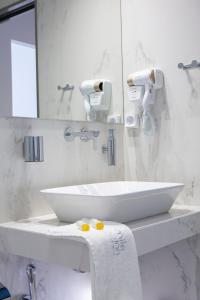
[[97, 96], [147, 82]]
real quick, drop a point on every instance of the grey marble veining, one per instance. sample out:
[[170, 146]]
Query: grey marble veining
[[173, 272], [151, 234], [65, 164], [173, 153], [53, 281], [167, 274]]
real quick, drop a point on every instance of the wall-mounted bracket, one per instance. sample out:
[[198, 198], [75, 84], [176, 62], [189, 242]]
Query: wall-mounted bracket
[[67, 87]]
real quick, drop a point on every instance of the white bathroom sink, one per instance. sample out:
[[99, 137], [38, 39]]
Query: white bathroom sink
[[120, 201]]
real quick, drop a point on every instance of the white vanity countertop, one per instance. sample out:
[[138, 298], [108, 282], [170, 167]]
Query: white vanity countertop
[[30, 238]]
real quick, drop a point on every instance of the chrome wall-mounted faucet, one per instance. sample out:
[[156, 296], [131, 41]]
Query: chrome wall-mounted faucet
[[33, 149], [110, 149], [84, 134]]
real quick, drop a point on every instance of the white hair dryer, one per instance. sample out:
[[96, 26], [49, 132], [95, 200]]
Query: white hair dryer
[[97, 96], [151, 80]]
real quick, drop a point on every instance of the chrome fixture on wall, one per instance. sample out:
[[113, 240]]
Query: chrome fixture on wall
[[67, 87], [33, 149], [110, 148], [31, 274], [84, 134], [194, 64]]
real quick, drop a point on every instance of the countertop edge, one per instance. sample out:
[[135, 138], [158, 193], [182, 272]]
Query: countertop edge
[[151, 234]]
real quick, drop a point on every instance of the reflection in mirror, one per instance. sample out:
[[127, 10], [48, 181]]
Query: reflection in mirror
[[80, 60], [18, 91]]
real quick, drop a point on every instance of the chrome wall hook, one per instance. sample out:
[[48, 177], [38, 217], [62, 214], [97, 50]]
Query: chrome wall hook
[[67, 87], [194, 64]]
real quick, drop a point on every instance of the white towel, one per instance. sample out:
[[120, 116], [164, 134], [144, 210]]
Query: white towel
[[114, 264]]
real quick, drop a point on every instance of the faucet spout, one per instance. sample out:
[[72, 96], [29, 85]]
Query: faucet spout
[[110, 149]]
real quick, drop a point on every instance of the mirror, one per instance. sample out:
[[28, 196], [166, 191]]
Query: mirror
[[79, 60]]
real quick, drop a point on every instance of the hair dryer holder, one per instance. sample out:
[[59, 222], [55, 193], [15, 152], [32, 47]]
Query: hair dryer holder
[[147, 82]]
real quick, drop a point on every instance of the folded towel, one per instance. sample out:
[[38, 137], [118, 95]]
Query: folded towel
[[114, 264]]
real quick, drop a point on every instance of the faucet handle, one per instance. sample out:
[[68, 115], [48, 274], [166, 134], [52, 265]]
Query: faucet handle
[[104, 149]]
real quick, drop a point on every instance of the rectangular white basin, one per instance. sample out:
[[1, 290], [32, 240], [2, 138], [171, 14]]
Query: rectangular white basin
[[120, 201]]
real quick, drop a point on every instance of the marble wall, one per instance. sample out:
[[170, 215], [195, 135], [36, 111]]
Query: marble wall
[[20, 183], [171, 273], [161, 34], [65, 164], [167, 274]]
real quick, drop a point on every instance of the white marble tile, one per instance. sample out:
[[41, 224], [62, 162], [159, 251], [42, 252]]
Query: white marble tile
[[151, 234], [171, 273], [158, 34], [53, 281], [65, 164]]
